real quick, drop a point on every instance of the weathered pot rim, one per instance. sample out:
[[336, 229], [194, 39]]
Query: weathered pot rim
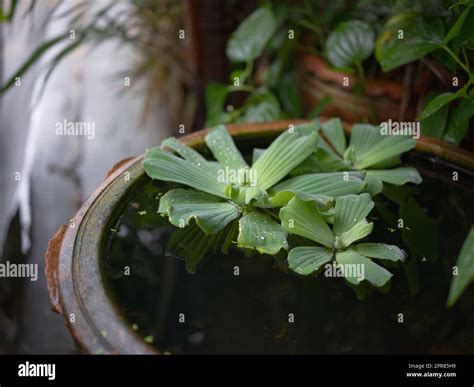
[[68, 295]]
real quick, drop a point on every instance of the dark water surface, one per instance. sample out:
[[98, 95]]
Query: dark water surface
[[251, 312]]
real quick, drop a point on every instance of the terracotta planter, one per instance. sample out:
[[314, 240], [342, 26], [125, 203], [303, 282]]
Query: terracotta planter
[[383, 99], [74, 257]]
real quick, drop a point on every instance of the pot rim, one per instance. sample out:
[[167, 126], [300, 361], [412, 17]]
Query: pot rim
[[73, 264]]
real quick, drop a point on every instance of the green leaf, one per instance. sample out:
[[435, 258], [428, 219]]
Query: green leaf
[[457, 26], [303, 218], [465, 265], [210, 214], [380, 251], [164, 166], [438, 102], [458, 123], [261, 107], [371, 145], [374, 184], [397, 176], [8, 16], [257, 152], [34, 57], [215, 96], [260, 232], [231, 234], [373, 273], [349, 43], [421, 35], [358, 231], [186, 152], [334, 133], [287, 151], [223, 148], [350, 210], [250, 38], [326, 184], [435, 124], [193, 245], [306, 260]]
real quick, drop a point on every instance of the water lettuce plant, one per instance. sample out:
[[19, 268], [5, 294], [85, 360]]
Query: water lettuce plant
[[258, 205], [336, 245], [229, 189], [369, 150]]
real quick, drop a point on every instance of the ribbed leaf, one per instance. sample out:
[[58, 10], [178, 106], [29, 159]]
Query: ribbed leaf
[[284, 154], [250, 38], [303, 218], [223, 148], [185, 152], [349, 43], [164, 166], [350, 210], [334, 133], [258, 231], [374, 184], [257, 152], [397, 176], [465, 265], [421, 35], [193, 245], [306, 260], [371, 147], [380, 251], [373, 273], [323, 184], [359, 231], [210, 214]]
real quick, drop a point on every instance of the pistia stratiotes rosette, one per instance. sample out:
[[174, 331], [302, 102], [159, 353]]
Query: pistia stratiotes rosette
[[228, 209], [336, 245], [369, 150]]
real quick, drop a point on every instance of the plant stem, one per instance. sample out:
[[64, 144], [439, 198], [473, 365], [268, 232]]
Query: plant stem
[[458, 61]]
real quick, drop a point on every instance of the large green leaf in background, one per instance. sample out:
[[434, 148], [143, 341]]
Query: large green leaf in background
[[165, 166], [210, 214], [465, 265], [262, 107], [350, 43], [421, 35], [458, 122], [216, 95], [303, 219], [438, 102], [222, 146], [250, 38], [258, 231]]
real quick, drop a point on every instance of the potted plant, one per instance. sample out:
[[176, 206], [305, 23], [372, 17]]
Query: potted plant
[[256, 228]]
